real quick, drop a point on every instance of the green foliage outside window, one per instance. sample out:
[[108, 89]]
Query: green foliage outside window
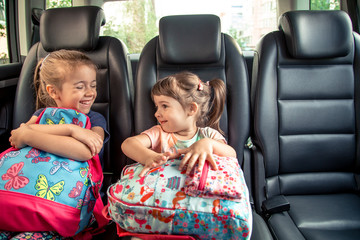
[[58, 3], [325, 5], [3, 45], [2, 18], [138, 27]]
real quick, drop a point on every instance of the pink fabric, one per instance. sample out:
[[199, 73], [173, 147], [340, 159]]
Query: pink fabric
[[61, 218], [44, 215], [122, 233], [225, 183]]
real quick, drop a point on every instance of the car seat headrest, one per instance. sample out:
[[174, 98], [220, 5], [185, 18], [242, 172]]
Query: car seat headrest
[[71, 28], [187, 39], [317, 34]]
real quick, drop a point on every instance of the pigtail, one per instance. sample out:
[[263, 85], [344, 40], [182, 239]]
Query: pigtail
[[38, 86], [216, 103], [42, 97]]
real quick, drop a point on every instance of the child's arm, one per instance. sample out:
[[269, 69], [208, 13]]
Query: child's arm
[[65, 140], [138, 149], [202, 151]]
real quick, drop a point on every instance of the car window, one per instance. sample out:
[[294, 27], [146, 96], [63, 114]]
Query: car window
[[136, 22], [58, 3], [325, 5], [4, 52]]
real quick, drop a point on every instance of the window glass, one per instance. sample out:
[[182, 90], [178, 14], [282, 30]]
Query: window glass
[[58, 3], [325, 5], [136, 22], [4, 52]]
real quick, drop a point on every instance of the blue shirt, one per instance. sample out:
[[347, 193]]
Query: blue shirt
[[96, 120]]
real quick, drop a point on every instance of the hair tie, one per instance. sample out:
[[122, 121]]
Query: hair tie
[[200, 86]]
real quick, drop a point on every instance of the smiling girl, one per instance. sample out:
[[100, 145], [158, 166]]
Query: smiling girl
[[188, 112], [64, 79]]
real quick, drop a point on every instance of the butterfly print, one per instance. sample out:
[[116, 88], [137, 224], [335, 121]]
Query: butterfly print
[[13, 175], [83, 171], [86, 201], [50, 122], [76, 191], [58, 166], [53, 112], [35, 154], [79, 203], [76, 121], [46, 191], [8, 155]]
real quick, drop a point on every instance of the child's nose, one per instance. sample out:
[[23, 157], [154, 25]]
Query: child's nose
[[90, 91]]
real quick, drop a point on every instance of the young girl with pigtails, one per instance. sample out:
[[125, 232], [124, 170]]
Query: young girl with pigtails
[[188, 112], [187, 179]]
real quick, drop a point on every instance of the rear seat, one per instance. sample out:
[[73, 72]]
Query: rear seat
[[306, 127], [114, 99], [195, 43]]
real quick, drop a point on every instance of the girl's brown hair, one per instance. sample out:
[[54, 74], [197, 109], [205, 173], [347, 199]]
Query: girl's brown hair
[[53, 69], [186, 87]]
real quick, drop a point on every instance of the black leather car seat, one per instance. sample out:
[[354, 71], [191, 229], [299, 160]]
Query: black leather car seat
[[305, 99], [195, 43], [78, 28]]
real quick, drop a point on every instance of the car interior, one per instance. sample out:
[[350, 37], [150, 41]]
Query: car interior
[[292, 107]]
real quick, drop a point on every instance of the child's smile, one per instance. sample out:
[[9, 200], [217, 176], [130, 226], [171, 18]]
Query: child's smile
[[79, 90], [172, 116]]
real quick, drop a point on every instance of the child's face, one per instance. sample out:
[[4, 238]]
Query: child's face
[[78, 90], [171, 115]]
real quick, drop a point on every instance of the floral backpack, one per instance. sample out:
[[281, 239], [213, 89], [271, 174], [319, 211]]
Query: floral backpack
[[40, 191], [206, 205]]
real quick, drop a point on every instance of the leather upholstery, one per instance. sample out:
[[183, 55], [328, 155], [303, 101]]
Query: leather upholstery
[[185, 42], [317, 34], [305, 126], [80, 30], [152, 66], [195, 44]]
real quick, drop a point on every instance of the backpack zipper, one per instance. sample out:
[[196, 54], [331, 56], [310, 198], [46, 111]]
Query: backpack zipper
[[204, 174]]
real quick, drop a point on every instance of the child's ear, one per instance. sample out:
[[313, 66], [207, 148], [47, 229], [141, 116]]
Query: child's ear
[[52, 91], [193, 109]]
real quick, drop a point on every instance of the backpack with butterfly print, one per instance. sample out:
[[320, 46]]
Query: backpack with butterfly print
[[40, 191]]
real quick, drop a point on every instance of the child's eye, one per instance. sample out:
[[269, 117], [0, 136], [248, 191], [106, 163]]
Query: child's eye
[[93, 86], [164, 106], [79, 87]]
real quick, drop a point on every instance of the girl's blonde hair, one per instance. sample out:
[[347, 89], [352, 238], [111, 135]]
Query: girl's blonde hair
[[186, 87], [53, 69]]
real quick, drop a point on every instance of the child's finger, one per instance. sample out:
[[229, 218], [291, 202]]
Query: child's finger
[[212, 162], [201, 161], [184, 161], [143, 171], [191, 163]]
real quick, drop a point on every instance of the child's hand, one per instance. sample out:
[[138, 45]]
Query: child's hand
[[87, 137], [156, 161], [199, 152], [17, 138]]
